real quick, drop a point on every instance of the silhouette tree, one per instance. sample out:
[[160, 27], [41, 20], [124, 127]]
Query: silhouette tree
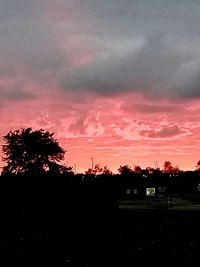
[[167, 166], [137, 169], [176, 169], [89, 171], [31, 152], [198, 166], [98, 169], [149, 170], [106, 170], [126, 169], [60, 169]]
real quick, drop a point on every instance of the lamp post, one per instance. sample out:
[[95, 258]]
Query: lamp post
[[156, 164], [92, 163]]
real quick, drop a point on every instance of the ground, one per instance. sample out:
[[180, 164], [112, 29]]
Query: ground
[[101, 237]]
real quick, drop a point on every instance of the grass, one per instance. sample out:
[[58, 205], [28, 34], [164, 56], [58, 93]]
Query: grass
[[124, 237]]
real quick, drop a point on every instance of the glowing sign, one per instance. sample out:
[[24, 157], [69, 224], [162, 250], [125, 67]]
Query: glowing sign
[[150, 191]]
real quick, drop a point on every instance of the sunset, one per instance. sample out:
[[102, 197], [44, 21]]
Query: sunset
[[116, 81], [99, 132]]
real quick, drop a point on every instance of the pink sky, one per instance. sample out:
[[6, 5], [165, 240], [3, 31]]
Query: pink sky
[[114, 131], [116, 81]]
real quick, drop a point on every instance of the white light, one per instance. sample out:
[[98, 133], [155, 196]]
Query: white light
[[150, 191]]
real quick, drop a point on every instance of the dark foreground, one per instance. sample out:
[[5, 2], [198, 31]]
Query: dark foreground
[[54, 224], [101, 238]]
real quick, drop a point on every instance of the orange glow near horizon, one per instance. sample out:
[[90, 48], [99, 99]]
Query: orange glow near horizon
[[114, 131], [108, 90]]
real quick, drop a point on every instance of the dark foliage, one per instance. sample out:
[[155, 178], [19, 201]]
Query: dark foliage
[[34, 152], [49, 215], [71, 220]]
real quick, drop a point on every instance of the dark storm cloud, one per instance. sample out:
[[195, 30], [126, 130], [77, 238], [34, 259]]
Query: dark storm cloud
[[164, 132], [143, 46], [159, 42], [148, 108], [148, 70], [16, 92], [26, 41]]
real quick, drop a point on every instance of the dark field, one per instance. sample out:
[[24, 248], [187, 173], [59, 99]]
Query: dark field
[[62, 225], [100, 238]]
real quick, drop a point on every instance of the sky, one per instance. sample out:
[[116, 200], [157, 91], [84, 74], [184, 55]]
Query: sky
[[116, 81]]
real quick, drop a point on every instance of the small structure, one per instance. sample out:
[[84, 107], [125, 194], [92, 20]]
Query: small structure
[[150, 191]]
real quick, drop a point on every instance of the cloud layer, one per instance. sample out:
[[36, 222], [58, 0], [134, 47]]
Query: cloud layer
[[105, 47], [118, 77]]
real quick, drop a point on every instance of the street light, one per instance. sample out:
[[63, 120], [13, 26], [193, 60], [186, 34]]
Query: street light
[[92, 162], [74, 168], [156, 164]]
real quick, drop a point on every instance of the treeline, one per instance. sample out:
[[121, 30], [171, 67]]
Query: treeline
[[33, 176], [88, 191], [55, 196], [43, 203]]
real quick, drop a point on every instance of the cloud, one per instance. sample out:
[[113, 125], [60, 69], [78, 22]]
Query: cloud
[[79, 126], [129, 106], [16, 93], [149, 61], [110, 72], [103, 47], [168, 131], [187, 79]]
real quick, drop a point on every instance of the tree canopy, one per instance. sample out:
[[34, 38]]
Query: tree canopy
[[125, 169], [31, 152]]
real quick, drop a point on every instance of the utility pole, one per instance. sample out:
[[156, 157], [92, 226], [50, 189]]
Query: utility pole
[[156, 164], [92, 162]]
